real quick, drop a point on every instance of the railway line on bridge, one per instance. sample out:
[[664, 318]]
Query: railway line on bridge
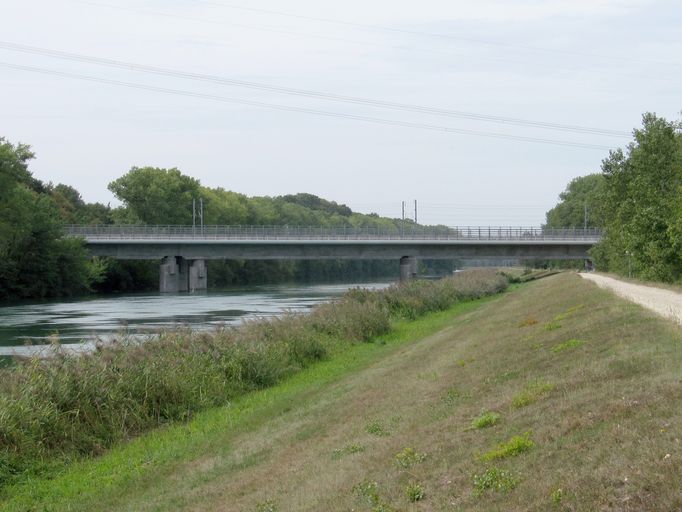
[[183, 250]]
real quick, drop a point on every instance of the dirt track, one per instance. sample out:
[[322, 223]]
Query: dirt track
[[666, 303]]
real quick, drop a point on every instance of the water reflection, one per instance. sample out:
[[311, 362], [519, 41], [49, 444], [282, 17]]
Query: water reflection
[[95, 318]]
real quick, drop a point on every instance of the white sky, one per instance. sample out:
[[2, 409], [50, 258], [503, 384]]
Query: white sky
[[596, 63]]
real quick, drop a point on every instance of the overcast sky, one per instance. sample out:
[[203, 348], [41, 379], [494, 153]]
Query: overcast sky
[[590, 63]]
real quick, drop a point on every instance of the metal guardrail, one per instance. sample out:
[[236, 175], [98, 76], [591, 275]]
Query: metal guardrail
[[142, 232]]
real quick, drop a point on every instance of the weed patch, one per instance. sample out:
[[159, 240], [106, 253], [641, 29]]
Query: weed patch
[[414, 492], [408, 457], [451, 396], [532, 393], [552, 326], [487, 419], [557, 495], [266, 506], [495, 479], [528, 322], [376, 428], [515, 446], [347, 450], [569, 312], [567, 345], [368, 492]]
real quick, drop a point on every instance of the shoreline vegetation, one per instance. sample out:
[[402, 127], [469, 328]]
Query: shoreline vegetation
[[556, 395], [56, 411]]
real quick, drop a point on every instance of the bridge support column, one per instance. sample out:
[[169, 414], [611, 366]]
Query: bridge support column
[[408, 268], [198, 277], [173, 275]]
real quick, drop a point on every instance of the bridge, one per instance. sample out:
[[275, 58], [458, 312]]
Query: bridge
[[183, 250]]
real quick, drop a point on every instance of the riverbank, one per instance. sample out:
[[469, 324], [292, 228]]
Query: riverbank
[[73, 406], [555, 396], [28, 328]]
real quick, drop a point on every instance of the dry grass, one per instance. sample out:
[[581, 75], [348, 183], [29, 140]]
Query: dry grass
[[605, 420]]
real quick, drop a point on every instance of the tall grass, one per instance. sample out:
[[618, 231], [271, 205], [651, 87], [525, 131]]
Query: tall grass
[[55, 410]]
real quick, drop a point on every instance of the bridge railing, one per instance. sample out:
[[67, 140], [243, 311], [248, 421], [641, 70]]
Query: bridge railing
[[410, 232]]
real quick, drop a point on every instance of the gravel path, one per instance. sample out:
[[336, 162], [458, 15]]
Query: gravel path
[[666, 303]]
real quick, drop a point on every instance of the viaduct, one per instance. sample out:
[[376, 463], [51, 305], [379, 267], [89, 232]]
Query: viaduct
[[183, 250]]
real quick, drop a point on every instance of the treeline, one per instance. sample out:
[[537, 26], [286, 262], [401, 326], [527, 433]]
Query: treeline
[[37, 261], [637, 199]]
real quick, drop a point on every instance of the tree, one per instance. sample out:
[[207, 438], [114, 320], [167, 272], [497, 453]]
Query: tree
[[582, 195], [638, 200], [157, 196], [314, 202], [35, 260], [641, 200]]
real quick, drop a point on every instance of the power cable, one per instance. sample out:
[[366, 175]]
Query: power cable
[[386, 28], [330, 38], [307, 93], [376, 120]]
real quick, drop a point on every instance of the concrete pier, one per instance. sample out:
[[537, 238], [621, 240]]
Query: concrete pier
[[408, 268], [198, 279], [177, 274]]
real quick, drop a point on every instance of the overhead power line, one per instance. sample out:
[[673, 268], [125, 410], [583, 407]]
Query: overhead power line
[[368, 119], [308, 93], [325, 37], [437, 35]]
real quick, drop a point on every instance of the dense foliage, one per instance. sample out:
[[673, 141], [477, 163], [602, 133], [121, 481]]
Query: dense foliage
[[580, 204], [54, 409], [35, 259], [637, 198]]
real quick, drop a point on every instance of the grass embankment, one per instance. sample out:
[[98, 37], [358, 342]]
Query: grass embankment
[[556, 396], [54, 411]]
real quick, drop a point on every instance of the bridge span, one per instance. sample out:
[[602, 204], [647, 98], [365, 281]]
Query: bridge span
[[183, 250]]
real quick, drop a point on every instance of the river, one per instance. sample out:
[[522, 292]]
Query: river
[[26, 328]]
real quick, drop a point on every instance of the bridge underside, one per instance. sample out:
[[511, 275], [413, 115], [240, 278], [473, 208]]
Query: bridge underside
[[320, 251], [183, 266]]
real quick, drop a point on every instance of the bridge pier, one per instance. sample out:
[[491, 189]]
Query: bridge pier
[[177, 274], [408, 268], [198, 277]]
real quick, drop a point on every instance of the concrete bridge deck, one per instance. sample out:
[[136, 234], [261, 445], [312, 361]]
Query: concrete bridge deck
[[184, 249]]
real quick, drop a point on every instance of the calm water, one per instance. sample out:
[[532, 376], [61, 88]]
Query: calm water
[[93, 318]]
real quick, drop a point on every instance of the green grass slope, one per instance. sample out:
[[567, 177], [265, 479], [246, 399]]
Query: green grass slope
[[555, 396]]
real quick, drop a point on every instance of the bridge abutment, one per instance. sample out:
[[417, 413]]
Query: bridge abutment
[[177, 274], [408, 268]]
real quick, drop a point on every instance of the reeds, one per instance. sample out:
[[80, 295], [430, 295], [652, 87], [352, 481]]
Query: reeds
[[69, 406]]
